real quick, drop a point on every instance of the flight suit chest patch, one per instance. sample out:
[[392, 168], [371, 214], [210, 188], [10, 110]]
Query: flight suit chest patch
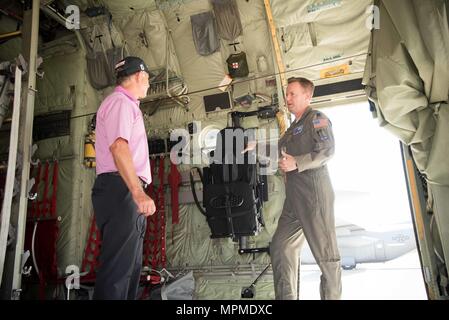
[[298, 130]]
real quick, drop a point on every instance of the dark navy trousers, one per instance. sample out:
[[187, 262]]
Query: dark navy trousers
[[122, 230]]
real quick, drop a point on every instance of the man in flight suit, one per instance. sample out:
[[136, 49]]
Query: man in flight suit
[[308, 209]]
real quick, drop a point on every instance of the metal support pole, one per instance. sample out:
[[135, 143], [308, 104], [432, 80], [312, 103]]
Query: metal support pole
[[421, 221], [282, 115], [11, 171], [26, 146]]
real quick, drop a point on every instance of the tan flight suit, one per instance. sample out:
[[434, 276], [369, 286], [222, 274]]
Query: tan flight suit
[[308, 209]]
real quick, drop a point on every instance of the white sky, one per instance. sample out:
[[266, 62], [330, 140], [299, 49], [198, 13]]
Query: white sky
[[366, 170]]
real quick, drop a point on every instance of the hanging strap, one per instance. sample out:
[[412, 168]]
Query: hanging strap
[[174, 179], [92, 252], [55, 188], [161, 203], [43, 213], [154, 242], [149, 235]]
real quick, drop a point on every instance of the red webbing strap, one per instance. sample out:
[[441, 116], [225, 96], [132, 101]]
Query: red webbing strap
[[155, 231], [154, 242], [157, 221], [41, 286], [161, 203], [151, 279], [174, 180], [48, 230], [42, 212], [2, 184], [34, 213], [55, 188], [154, 220], [147, 244], [45, 253], [53, 215], [92, 251]]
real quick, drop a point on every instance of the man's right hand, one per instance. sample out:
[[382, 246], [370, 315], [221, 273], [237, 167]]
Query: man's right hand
[[145, 205]]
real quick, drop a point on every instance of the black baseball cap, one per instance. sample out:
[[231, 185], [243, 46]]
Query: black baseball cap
[[129, 66]]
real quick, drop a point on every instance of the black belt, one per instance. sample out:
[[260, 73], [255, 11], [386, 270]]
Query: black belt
[[116, 173]]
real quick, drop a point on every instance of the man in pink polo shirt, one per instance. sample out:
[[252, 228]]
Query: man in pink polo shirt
[[123, 169]]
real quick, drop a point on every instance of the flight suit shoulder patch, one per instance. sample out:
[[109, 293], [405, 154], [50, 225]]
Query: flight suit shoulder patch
[[320, 123]]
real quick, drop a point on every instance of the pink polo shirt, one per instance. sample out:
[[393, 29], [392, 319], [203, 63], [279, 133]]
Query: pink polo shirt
[[119, 116]]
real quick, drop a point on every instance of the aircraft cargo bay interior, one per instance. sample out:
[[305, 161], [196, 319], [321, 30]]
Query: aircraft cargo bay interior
[[224, 150]]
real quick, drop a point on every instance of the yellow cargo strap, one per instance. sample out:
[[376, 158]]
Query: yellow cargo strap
[[282, 114]]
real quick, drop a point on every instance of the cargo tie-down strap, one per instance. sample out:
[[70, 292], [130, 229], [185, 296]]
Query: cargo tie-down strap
[[91, 253], [174, 180], [43, 225], [154, 242]]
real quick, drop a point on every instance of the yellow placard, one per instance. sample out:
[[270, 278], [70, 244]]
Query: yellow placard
[[336, 71]]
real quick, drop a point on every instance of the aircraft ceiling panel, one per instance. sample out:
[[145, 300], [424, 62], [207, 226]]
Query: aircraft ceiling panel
[[326, 41], [146, 35], [289, 12], [199, 72], [120, 6]]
